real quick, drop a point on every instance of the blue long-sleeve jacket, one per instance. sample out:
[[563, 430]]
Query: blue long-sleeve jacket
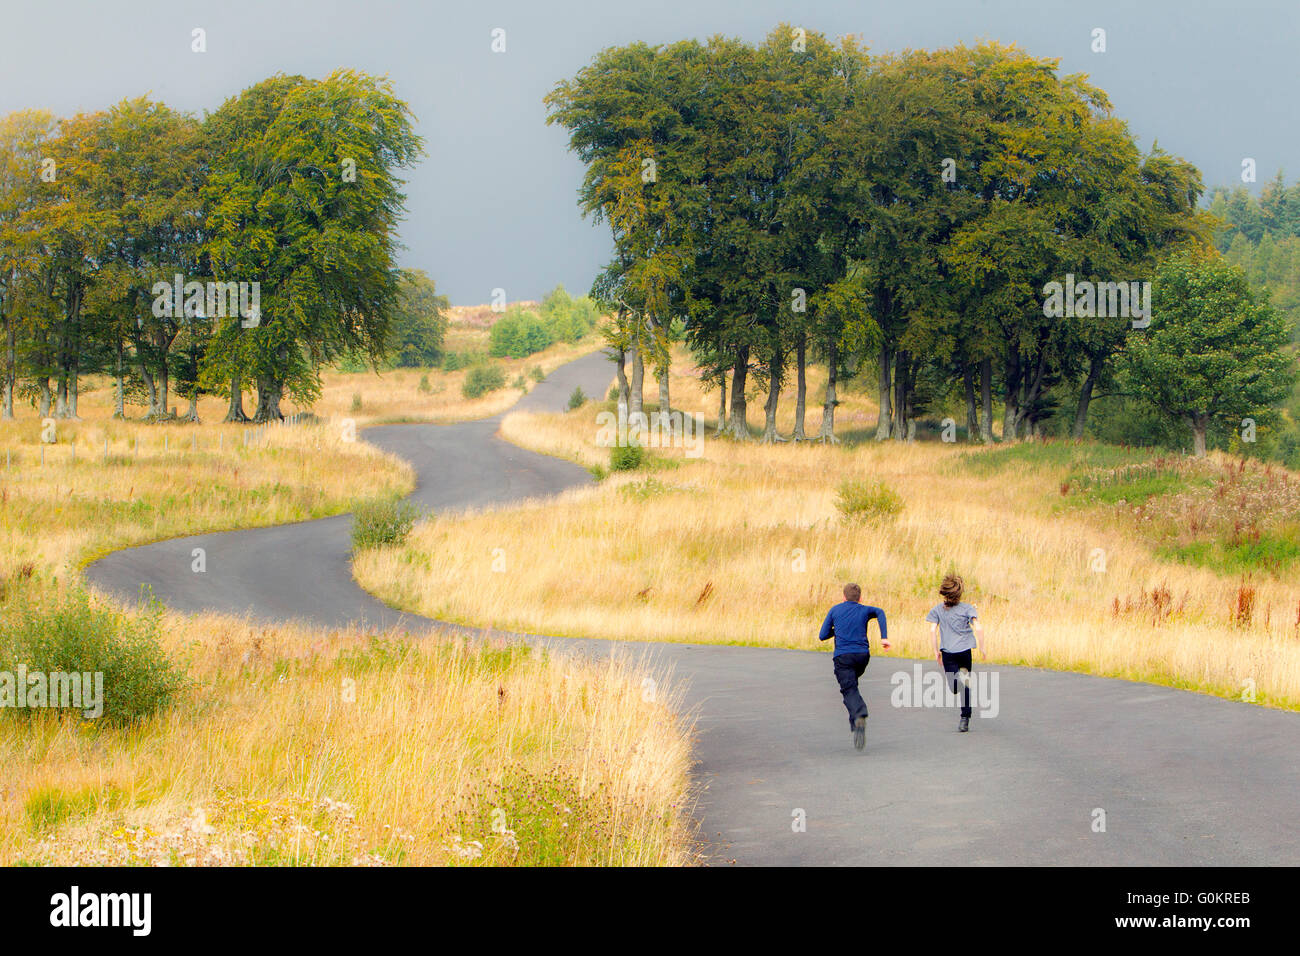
[[847, 623]]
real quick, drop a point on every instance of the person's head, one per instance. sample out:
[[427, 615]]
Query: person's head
[[951, 589], [852, 593]]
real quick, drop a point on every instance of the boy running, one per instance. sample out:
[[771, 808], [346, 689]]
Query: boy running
[[954, 627], [847, 623]]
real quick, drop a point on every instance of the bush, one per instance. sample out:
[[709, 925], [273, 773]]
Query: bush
[[520, 383], [424, 385], [537, 373], [867, 500], [68, 633], [626, 457], [577, 399], [376, 524], [519, 333], [613, 394], [356, 401], [481, 380]]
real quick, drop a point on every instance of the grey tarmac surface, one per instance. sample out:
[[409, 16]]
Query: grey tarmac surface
[[1183, 779]]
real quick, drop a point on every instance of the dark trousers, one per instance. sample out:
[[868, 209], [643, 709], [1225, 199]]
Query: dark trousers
[[952, 663], [848, 668]]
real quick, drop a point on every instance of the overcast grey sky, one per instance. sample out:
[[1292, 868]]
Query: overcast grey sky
[[493, 203]]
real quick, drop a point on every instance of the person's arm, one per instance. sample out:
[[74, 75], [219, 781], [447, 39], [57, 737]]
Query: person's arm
[[934, 636], [879, 614], [828, 628], [979, 637]]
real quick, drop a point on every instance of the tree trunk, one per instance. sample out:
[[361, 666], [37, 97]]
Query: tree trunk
[[44, 410], [827, 431], [899, 429], [268, 401], [972, 415], [665, 404], [235, 413], [884, 389], [636, 398], [119, 385], [1011, 414], [986, 401], [10, 370], [774, 371], [738, 425], [1085, 396], [620, 373], [722, 404], [1200, 424], [909, 399], [801, 388]]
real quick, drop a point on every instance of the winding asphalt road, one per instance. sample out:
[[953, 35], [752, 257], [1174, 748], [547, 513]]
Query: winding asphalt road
[[1176, 778]]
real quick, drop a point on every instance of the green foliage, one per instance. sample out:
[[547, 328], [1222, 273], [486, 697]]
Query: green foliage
[[626, 457], [568, 319], [483, 379], [419, 322], [863, 500], [517, 334], [458, 361], [424, 385], [67, 632], [383, 522], [356, 401], [1271, 552], [520, 383], [1214, 352], [577, 398], [537, 375]]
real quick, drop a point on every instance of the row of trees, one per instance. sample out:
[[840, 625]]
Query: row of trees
[[802, 200], [291, 185]]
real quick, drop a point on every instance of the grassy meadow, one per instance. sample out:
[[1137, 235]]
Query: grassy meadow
[[1085, 557], [287, 744]]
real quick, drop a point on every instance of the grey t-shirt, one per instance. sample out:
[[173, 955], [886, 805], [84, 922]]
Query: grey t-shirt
[[955, 633]]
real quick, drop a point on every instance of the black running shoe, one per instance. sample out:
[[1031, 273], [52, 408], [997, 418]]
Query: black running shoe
[[860, 733], [964, 726]]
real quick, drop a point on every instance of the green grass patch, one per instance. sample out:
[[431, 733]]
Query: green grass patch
[[1269, 552]]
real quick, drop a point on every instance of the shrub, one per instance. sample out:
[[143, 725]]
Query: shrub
[[520, 383], [379, 523], [613, 394], [424, 385], [68, 633], [455, 361], [577, 399], [860, 500], [483, 379], [356, 401], [626, 457], [537, 373], [519, 333]]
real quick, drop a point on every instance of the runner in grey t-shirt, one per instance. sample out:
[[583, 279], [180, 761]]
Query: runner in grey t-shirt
[[955, 629]]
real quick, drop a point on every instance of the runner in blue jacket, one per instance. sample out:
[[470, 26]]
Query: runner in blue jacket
[[847, 623]]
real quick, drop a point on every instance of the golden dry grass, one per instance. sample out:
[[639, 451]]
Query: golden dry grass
[[394, 395], [297, 746], [746, 545]]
